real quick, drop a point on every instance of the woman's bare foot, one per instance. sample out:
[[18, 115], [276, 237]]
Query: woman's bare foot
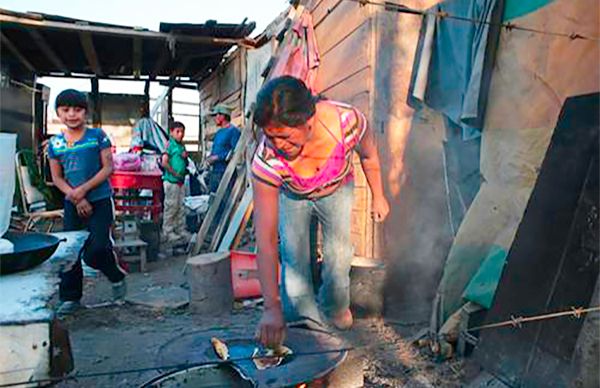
[[343, 320]]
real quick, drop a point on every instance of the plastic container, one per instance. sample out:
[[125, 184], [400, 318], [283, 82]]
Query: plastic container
[[244, 275], [8, 144]]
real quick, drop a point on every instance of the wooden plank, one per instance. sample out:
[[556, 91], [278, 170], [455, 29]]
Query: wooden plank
[[234, 101], [8, 44], [137, 57], [323, 9], [349, 88], [237, 158], [339, 24], [238, 237], [311, 5], [90, 52], [245, 144], [184, 63], [360, 219], [346, 59], [161, 63], [360, 198], [238, 222], [85, 28], [360, 180], [232, 200], [229, 76], [48, 51]]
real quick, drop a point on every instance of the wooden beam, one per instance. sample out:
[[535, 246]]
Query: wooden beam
[[230, 203], [121, 31], [236, 159], [238, 222], [90, 52], [48, 51], [137, 57], [182, 85], [97, 110], [170, 101], [8, 44], [183, 64], [161, 62]]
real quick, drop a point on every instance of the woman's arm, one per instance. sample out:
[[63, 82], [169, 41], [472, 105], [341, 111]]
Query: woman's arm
[[369, 160], [107, 168], [271, 330]]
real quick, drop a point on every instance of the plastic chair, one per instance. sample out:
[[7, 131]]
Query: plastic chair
[[32, 200]]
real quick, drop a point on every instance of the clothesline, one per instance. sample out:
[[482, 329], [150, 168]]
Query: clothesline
[[508, 26]]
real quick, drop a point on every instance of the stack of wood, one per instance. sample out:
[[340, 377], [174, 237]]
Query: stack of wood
[[227, 218]]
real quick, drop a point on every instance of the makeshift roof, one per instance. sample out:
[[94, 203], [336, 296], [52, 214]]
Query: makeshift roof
[[55, 45]]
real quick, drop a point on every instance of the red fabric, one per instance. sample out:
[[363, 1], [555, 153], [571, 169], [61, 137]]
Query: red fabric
[[300, 55]]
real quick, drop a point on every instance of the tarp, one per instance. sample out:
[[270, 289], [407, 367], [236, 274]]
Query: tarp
[[454, 61], [533, 75]]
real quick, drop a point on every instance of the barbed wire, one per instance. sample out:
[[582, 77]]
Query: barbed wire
[[508, 26], [516, 322]]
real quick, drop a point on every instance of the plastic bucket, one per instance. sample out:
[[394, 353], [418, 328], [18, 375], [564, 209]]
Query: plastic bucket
[[244, 275]]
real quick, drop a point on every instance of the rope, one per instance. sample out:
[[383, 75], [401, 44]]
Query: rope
[[508, 26], [518, 321]]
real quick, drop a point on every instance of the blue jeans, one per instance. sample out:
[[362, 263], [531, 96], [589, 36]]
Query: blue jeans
[[297, 295]]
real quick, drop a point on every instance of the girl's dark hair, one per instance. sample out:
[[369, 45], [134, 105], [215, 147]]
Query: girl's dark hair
[[284, 101], [71, 97]]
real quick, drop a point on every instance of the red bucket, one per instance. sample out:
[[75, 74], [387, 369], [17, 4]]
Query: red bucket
[[244, 275]]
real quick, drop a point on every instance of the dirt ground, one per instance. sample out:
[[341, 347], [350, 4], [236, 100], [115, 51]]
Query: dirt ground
[[116, 339]]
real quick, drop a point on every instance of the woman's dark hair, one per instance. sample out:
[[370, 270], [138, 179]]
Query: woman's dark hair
[[284, 101], [71, 97]]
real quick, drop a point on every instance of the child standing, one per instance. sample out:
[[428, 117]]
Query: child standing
[[81, 163], [174, 162]]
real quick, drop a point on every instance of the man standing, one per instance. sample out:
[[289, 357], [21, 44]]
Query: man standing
[[224, 144]]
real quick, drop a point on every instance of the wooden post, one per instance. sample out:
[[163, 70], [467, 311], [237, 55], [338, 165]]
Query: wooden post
[[209, 279], [146, 112], [97, 106]]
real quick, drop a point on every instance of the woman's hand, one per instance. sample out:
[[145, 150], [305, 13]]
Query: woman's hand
[[84, 208], [271, 328], [379, 209]]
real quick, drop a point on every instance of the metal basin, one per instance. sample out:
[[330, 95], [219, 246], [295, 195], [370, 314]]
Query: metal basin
[[30, 250], [201, 376]]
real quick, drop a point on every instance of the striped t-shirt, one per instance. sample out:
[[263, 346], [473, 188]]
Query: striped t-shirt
[[271, 168]]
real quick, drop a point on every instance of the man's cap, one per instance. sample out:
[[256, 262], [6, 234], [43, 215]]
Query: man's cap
[[222, 109]]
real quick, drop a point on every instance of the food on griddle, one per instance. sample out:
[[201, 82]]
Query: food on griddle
[[270, 357], [220, 348], [282, 351]]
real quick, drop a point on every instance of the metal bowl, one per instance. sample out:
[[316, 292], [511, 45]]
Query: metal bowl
[[30, 250]]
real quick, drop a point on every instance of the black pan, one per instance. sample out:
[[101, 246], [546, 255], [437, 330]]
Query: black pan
[[30, 249]]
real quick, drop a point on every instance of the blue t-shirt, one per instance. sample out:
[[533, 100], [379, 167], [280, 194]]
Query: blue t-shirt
[[82, 160], [224, 142]]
